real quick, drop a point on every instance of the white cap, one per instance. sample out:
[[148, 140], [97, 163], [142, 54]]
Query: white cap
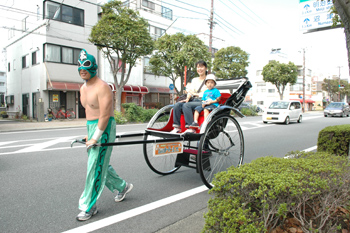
[[210, 77]]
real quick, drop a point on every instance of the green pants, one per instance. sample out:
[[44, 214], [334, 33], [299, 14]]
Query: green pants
[[99, 172]]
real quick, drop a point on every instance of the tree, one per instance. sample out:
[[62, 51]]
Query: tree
[[174, 52], [122, 37], [341, 9], [280, 74], [231, 62], [331, 86]]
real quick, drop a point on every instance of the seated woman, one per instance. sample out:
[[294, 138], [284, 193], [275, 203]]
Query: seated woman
[[186, 107]]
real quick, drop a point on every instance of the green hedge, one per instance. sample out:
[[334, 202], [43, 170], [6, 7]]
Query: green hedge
[[134, 113], [334, 140], [261, 195]]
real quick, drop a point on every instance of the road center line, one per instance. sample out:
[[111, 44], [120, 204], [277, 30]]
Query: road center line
[[137, 211]]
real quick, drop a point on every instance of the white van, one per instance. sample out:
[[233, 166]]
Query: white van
[[283, 111]]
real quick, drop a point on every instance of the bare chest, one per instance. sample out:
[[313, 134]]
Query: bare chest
[[89, 98]]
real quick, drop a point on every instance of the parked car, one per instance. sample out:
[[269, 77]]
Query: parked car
[[283, 111], [337, 109]]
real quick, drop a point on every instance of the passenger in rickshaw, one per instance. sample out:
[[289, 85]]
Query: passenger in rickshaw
[[210, 100], [195, 89]]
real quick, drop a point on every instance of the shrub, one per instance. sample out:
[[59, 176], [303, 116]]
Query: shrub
[[133, 112], [119, 118], [3, 113], [148, 114], [248, 112], [24, 117], [334, 140], [312, 189]]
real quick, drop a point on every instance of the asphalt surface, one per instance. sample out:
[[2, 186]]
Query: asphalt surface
[[191, 224]]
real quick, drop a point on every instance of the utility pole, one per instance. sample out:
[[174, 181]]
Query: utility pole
[[211, 24], [339, 82], [303, 79]]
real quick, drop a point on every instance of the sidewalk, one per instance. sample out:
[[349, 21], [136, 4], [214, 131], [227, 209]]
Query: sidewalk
[[8, 125]]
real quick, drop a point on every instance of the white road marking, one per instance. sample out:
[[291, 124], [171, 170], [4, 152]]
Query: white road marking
[[39, 131], [137, 211], [41, 146], [142, 209]]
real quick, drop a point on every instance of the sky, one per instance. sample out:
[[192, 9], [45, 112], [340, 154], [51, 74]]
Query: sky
[[262, 25], [256, 26]]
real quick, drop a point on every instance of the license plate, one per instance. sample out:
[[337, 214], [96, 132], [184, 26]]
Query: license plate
[[268, 118], [161, 149]]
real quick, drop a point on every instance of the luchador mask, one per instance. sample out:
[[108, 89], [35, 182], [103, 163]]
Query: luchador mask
[[87, 62]]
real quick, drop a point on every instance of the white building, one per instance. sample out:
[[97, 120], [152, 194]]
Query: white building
[[264, 92], [42, 54]]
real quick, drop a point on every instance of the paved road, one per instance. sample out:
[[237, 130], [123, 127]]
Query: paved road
[[42, 178]]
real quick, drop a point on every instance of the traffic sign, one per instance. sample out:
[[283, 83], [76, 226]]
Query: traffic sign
[[171, 86]]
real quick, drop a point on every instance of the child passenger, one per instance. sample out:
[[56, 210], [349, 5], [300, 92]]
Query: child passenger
[[210, 100]]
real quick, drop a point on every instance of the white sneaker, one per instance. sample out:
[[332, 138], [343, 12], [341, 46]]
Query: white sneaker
[[189, 131], [83, 216], [176, 130]]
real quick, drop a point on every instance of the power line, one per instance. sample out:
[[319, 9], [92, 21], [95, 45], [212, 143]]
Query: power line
[[235, 12], [252, 11], [243, 11], [185, 9], [230, 25]]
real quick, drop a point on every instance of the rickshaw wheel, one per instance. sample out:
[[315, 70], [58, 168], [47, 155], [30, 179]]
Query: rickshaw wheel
[[220, 147], [163, 165]]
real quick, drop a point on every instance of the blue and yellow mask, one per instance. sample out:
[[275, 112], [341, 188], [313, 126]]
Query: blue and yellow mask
[[87, 62]]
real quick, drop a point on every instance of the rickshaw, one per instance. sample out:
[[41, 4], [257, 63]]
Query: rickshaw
[[216, 146]]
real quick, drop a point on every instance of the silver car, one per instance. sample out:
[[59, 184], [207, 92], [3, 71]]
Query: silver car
[[337, 109]]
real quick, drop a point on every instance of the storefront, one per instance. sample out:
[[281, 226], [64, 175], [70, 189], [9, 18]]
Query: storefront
[[64, 95], [157, 97]]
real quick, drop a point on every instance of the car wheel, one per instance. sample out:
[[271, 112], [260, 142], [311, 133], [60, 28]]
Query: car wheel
[[325, 115], [265, 122], [287, 120], [300, 119]]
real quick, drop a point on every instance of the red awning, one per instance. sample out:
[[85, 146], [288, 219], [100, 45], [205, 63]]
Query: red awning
[[64, 86], [159, 90], [135, 89], [308, 101], [130, 88]]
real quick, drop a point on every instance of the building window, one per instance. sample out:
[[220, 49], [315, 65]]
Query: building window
[[61, 54], [271, 90], [296, 87], [53, 53], [146, 68], [64, 13], [35, 58], [167, 13], [156, 32], [2, 84], [9, 67], [14, 64], [25, 61], [37, 12], [148, 4], [24, 24]]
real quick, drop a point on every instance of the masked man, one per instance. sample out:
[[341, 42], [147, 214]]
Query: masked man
[[97, 99]]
